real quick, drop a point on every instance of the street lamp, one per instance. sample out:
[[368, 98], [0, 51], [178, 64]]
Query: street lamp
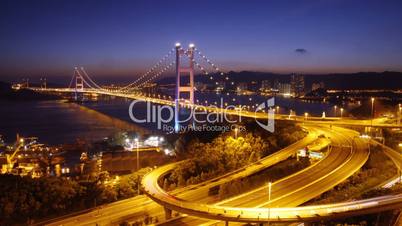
[[277, 109], [400, 173], [269, 200], [341, 112], [335, 110], [305, 116], [372, 111], [236, 130], [137, 143], [372, 107]]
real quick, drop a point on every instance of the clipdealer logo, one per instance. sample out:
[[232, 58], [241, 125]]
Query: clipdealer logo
[[266, 106], [202, 118]]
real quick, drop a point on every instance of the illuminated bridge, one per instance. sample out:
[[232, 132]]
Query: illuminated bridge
[[82, 83]]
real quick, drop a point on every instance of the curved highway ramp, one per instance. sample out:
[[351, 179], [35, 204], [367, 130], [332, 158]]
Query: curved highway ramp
[[294, 190]]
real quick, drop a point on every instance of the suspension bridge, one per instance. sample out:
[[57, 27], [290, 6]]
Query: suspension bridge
[[186, 62]]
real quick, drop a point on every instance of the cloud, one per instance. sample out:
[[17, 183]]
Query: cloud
[[301, 51]]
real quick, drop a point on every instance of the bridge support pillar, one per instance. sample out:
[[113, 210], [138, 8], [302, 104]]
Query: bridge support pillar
[[180, 71], [226, 223], [168, 213], [79, 83]]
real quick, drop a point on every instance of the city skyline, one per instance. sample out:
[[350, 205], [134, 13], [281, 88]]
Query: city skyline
[[49, 39]]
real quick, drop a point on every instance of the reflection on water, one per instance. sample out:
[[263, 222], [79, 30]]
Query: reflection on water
[[56, 122]]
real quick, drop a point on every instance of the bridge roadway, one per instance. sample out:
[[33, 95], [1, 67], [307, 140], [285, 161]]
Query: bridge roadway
[[137, 207], [380, 122], [294, 190]]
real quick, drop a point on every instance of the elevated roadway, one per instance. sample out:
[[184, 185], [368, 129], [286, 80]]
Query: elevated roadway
[[240, 209]]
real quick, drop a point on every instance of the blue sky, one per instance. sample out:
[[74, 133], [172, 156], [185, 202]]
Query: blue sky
[[122, 38]]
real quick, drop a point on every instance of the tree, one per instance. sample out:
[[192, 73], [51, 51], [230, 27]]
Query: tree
[[126, 190]]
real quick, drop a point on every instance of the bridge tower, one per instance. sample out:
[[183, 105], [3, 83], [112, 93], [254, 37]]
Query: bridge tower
[[43, 83], [79, 83], [183, 71]]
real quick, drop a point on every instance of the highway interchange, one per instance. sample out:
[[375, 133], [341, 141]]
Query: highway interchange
[[348, 151], [341, 162]]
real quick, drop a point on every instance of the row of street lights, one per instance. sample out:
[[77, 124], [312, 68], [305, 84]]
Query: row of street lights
[[335, 107], [372, 108]]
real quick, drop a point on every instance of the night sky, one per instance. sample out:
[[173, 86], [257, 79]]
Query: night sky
[[121, 38]]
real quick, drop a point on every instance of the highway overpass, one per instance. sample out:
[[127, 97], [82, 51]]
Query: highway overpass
[[223, 212]]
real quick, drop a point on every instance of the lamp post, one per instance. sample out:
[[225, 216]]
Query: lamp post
[[277, 110], [269, 201], [335, 110], [341, 112], [236, 130], [400, 173], [305, 116], [137, 143], [372, 107], [372, 111]]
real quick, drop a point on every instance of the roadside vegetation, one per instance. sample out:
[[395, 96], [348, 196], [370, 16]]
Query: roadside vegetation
[[226, 153], [24, 199], [378, 169]]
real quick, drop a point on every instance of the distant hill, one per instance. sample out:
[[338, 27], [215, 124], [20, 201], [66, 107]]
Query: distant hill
[[361, 80]]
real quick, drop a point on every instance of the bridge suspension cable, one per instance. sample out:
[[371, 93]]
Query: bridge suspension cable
[[157, 74], [89, 78], [206, 59], [216, 69], [152, 69]]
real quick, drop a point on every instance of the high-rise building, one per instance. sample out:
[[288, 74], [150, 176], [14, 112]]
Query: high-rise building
[[297, 85], [276, 84], [284, 88], [265, 86]]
